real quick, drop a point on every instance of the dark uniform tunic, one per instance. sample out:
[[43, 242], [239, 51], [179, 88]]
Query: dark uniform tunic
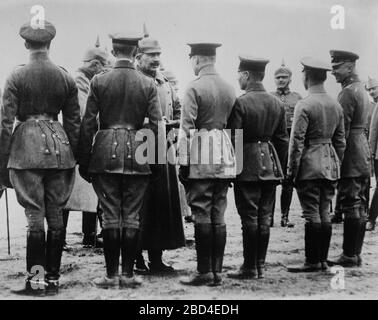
[[162, 219], [317, 145], [40, 153], [265, 142], [356, 166], [121, 98]]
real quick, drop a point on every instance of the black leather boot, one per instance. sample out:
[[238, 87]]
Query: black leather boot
[[219, 244], [89, 228], [66, 215], [325, 234], [112, 244], [360, 240], [140, 264], [203, 234], [312, 250], [54, 248], [286, 196], [249, 268], [349, 258], [263, 235], [35, 284], [338, 216], [129, 249], [157, 265], [273, 209]]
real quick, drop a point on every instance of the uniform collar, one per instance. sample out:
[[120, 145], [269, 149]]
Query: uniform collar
[[319, 88], [255, 86], [159, 77], [350, 79], [124, 64], [39, 55], [207, 69]]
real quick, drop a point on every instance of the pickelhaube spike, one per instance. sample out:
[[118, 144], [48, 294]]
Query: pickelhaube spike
[[97, 44], [283, 63], [145, 31]]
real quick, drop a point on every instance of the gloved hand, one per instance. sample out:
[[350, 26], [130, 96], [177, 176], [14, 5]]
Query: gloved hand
[[183, 175], [84, 172]]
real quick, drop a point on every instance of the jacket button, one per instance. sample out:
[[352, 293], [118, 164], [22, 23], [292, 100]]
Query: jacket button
[[51, 121], [57, 152], [259, 142], [129, 156], [43, 135], [128, 143], [115, 143], [264, 168], [113, 156], [37, 121], [47, 151], [262, 154]]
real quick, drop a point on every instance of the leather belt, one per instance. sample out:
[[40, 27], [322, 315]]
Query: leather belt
[[119, 126], [42, 116], [258, 140], [312, 142]]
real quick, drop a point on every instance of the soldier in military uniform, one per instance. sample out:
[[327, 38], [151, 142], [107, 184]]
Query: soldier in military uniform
[[289, 98], [206, 168], [265, 143], [372, 87], [40, 153], [317, 145], [162, 227], [83, 198], [356, 166], [113, 118]]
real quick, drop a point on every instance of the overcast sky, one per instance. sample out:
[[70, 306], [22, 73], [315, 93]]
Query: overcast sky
[[275, 30]]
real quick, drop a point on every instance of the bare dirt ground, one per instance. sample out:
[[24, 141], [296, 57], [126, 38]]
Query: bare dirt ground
[[81, 266]]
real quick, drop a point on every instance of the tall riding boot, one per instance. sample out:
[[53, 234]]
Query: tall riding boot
[[66, 214], [129, 249], [203, 234], [263, 234], [312, 249], [326, 234], [156, 262], [112, 243], [249, 268], [54, 248], [360, 240], [89, 228], [140, 264], [35, 264], [273, 208], [286, 196], [219, 243], [348, 257], [338, 216]]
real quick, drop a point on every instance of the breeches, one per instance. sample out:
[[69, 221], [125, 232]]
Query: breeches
[[315, 197], [254, 201], [43, 193], [207, 199], [352, 193], [121, 198]]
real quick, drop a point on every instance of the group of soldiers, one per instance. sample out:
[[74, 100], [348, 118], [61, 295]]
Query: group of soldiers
[[315, 144]]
